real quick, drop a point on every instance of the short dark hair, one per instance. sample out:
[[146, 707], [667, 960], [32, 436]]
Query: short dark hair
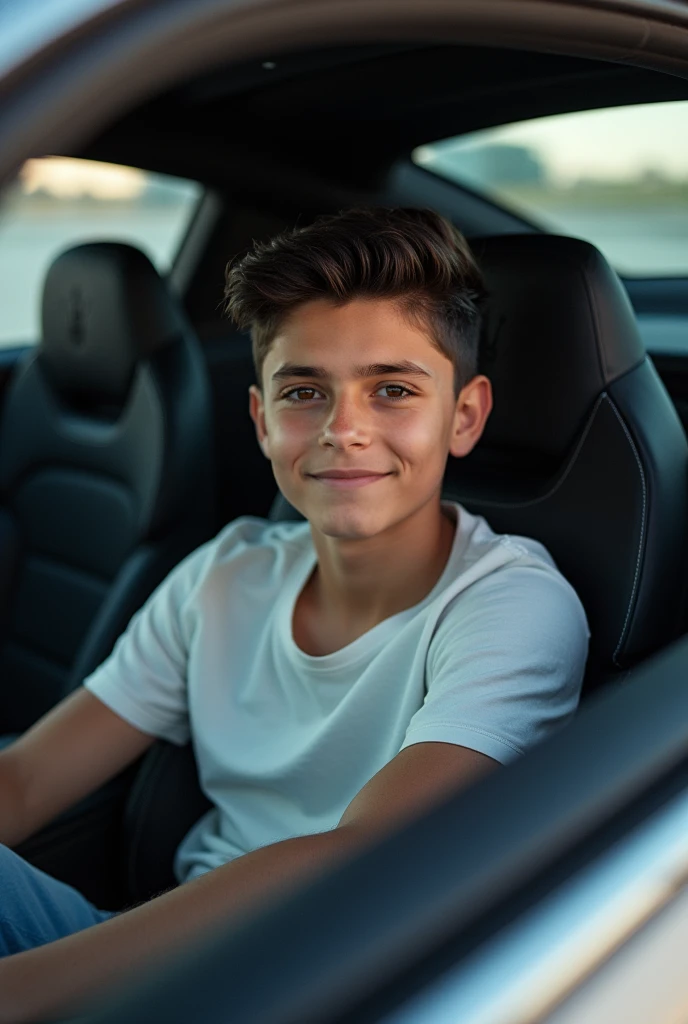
[[413, 256]]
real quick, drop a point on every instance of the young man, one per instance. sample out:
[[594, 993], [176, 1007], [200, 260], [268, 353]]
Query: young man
[[337, 676]]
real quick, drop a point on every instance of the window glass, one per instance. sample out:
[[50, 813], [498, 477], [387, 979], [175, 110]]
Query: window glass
[[617, 178], [57, 202]]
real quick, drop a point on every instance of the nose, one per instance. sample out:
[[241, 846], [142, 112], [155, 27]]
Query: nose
[[346, 423]]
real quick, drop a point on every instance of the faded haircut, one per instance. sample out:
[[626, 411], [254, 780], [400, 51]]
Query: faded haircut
[[414, 257]]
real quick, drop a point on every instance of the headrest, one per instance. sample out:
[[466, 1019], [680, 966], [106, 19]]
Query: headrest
[[559, 328], [105, 308]]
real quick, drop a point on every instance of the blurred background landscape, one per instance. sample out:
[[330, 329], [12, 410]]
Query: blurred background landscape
[[640, 223], [616, 177]]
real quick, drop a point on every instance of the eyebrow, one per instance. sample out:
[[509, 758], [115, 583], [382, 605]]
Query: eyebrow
[[372, 370]]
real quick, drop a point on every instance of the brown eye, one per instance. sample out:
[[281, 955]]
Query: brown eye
[[397, 387], [296, 391]]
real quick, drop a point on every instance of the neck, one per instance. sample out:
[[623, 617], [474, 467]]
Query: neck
[[363, 584]]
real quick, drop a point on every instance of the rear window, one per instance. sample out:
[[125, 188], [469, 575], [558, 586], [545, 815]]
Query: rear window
[[616, 177], [57, 202]]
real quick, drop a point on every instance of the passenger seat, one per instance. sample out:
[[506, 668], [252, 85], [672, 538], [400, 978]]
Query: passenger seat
[[106, 471]]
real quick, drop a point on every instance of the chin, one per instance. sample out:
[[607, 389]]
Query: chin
[[347, 524]]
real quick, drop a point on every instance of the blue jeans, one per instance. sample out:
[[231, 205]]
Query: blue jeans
[[35, 908]]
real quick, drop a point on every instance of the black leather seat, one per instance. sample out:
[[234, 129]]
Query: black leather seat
[[106, 483], [584, 451], [105, 471]]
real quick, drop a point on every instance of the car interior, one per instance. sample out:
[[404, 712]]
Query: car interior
[[125, 438]]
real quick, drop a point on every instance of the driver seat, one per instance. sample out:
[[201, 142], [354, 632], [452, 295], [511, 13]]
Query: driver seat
[[584, 452]]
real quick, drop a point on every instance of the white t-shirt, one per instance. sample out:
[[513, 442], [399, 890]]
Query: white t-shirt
[[491, 659]]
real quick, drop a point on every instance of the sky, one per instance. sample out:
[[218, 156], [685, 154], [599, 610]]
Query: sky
[[616, 143]]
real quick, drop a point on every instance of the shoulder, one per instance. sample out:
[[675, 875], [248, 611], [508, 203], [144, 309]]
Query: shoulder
[[507, 654], [248, 546], [516, 592], [521, 604], [255, 549], [507, 658]]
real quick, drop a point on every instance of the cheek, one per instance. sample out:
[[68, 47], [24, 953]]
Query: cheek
[[423, 435], [288, 435]]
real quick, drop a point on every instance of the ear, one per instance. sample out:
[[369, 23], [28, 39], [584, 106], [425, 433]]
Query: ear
[[473, 406], [256, 409]]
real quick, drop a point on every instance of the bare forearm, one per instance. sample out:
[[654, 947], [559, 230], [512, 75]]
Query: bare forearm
[[60, 977], [68, 753], [13, 825]]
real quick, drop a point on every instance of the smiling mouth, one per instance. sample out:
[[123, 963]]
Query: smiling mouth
[[344, 483]]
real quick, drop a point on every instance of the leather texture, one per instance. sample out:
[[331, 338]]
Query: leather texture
[[559, 328], [584, 452], [104, 311], [106, 473]]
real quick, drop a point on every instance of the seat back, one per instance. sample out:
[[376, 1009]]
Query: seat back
[[105, 471], [584, 452]]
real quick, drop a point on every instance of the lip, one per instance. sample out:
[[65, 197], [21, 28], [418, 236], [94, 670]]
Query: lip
[[345, 482]]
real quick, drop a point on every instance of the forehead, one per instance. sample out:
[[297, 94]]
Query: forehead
[[338, 335]]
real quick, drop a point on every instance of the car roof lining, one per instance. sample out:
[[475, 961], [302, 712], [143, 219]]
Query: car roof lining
[[318, 111]]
